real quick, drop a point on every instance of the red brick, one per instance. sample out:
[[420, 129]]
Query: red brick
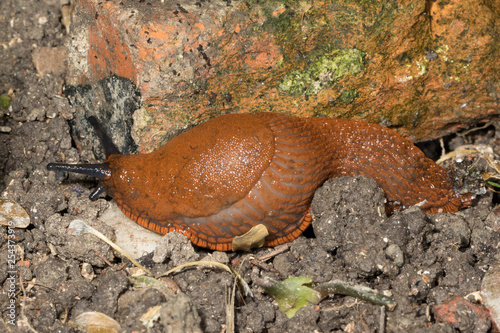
[[452, 311], [428, 70]]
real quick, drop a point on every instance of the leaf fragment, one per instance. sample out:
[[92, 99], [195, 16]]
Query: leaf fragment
[[294, 293], [254, 238]]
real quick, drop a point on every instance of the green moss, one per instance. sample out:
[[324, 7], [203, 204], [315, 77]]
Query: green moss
[[285, 27], [4, 101], [407, 113], [323, 72], [280, 24], [348, 96], [295, 83]]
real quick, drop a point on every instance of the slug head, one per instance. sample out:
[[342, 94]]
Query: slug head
[[101, 171]]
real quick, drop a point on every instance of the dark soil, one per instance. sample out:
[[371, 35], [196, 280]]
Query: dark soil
[[422, 260]]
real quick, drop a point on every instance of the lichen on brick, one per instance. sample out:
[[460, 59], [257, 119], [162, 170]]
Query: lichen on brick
[[348, 96], [323, 72]]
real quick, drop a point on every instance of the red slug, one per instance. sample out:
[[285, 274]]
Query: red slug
[[221, 178]]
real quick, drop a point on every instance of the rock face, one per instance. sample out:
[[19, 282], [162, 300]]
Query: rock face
[[420, 67]]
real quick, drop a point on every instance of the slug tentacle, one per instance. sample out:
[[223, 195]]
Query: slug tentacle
[[95, 193], [107, 143], [101, 171], [231, 173]]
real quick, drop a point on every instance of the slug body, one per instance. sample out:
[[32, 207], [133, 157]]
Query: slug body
[[221, 178]]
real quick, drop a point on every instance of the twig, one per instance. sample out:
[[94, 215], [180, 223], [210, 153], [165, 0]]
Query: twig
[[103, 259], [243, 284], [122, 266], [260, 265], [24, 320], [382, 320], [230, 308], [275, 252], [66, 313], [467, 150], [464, 133], [443, 149], [361, 292]]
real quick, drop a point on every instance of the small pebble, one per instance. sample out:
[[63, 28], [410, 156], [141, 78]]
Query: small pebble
[[395, 254], [12, 214]]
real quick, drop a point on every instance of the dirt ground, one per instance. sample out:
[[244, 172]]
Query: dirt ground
[[423, 260]]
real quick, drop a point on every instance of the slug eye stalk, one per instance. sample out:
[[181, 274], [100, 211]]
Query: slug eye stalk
[[101, 171]]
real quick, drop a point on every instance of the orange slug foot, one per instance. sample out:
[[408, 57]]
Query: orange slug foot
[[202, 234], [456, 203]]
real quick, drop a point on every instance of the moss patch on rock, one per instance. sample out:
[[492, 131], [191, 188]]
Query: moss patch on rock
[[323, 72]]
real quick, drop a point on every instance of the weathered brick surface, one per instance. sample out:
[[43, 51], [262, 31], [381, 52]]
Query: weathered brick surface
[[427, 67], [155, 45]]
